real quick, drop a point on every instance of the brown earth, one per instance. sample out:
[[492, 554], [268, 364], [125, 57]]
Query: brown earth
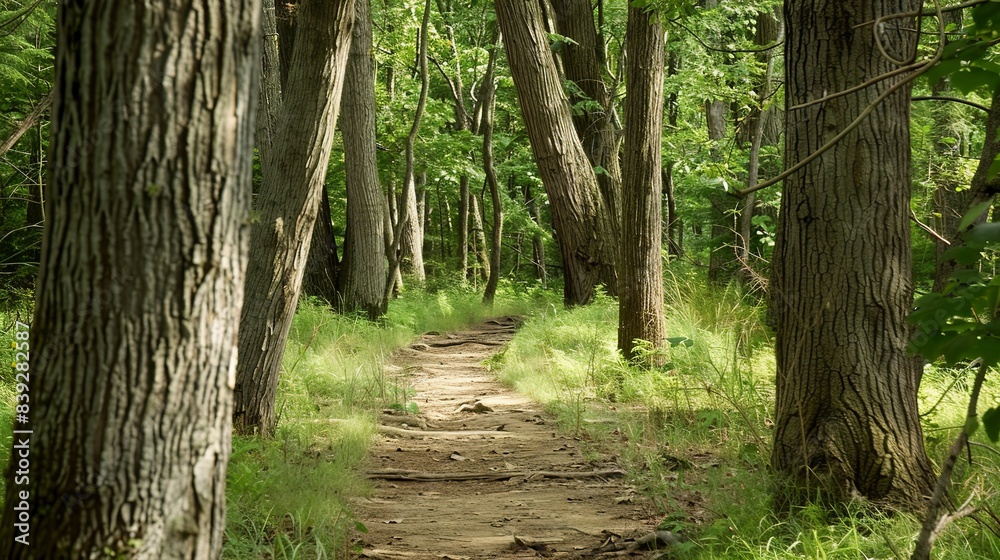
[[483, 472]]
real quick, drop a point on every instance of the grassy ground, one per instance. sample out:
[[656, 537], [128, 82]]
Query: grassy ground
[[695, 434]]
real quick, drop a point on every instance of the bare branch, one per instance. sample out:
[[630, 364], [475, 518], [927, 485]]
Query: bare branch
[[979, 106], [928, 229], [28, 122]]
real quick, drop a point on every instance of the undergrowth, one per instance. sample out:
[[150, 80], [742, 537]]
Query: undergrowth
[[695, 433]]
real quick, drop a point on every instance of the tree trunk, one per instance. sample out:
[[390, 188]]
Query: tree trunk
[[463, 226], [323, 265], [363, 271], [770, 28], [847, 423], [583, 224], [488, 94], [594, 123], [140, 285], [537, 243], [640, 304], [287, 205], [479, 239], [412, 241], [674, 239]]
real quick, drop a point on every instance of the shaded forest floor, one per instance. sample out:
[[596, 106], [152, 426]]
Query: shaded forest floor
[[481, 471]]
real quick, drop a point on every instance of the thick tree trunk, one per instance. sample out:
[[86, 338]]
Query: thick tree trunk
[[363, 271], [640, 304], [124, 443], [583, 224], [287, 205], [847, 423], [594, 125]]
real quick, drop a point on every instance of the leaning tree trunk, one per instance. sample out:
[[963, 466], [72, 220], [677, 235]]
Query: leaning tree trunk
[[323, 265], [583, 224], [126, 437], [287, 205], [847, 424], [594, 124], [363, 271], [640, 304]]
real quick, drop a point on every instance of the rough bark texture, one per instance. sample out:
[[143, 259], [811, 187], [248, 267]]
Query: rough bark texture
[[640, 303], [584, 226], [140, 284], [478, 240], [846, 424], [363, 271], [594, 124], [286, 207]]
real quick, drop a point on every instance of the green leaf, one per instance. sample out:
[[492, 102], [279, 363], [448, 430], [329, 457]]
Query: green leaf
[[985, 233], [970, 79], [974, 214], [680, 341], [991, 422], [962, 254]]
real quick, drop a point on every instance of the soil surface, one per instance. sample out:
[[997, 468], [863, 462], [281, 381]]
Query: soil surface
[[483, 472]]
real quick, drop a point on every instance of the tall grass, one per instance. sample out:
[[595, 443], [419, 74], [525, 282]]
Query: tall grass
[[695, 433]]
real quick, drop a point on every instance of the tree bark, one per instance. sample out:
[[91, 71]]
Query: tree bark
[[583, 224], [640, 304], [363, 271], [847, 423], [594, 124], [479, 240], [132, 347], [287, 205]]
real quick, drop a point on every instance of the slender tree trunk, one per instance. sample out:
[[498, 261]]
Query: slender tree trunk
[[584, 226], [123, 446], [412, 239], [640, 305], [479, 239], [847, 423], [594, 125], [463, 226], [287, 205], [364, 268], [537, 243], [674, 239], [488, 94], [770, 28]]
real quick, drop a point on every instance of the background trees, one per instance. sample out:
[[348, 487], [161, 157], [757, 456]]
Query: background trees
[[128, 397]]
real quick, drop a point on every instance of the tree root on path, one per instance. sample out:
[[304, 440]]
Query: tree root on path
[[657, 540], [418, 476]]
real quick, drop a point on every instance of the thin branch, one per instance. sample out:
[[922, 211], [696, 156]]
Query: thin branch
[[979, 106], [928, 12], [858, 87], [928, 229], [28, 122], [765, 48], [935, 521]]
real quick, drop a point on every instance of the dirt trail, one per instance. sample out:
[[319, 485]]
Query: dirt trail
[[516, 486]]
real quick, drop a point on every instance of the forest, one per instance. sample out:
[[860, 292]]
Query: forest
[[314, 279]]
